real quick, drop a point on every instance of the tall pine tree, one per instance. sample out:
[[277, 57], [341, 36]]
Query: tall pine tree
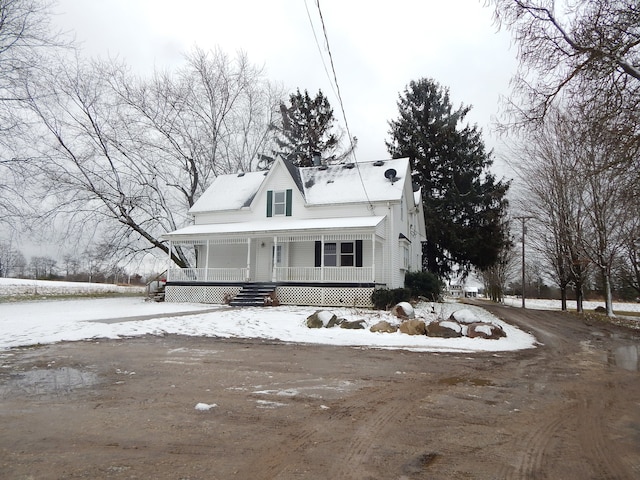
[[464, 205], [307, 127]]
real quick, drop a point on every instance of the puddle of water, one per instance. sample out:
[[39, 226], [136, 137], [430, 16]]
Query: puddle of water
[[625, 357], [54, 381]]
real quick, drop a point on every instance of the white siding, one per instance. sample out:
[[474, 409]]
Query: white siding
[[227, 256], [302, 254]]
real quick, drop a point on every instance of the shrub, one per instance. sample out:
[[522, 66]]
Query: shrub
[[423, 284], [383, 298]]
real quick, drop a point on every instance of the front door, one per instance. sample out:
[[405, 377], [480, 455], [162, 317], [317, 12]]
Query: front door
[[264, 260]]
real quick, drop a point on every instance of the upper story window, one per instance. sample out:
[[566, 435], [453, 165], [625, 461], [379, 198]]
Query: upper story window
[[279, 202]]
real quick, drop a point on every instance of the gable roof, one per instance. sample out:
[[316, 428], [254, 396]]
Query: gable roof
[[350, 183], [229, 192], [324, 185]]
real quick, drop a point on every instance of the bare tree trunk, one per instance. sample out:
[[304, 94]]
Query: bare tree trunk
[[563, 298], [608, 300]]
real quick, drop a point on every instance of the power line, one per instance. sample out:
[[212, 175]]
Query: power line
[[326, 70], [338, 93]]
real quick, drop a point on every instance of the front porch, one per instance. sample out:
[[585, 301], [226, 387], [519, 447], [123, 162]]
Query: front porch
[[323, 258], [323, 269]]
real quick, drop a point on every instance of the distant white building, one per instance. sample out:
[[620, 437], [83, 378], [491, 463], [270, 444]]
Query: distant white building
[[458, 290], [322, 235]]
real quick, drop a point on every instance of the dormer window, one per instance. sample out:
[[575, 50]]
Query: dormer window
[[279, 202]]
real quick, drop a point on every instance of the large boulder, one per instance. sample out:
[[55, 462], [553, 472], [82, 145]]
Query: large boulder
[[444, 329], [464, 316], [485, 330], [384, 327], [413, 327], [354, 325], [321, 318], [334, 321], [403, 310]]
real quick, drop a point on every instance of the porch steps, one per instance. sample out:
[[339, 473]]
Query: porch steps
[[252, 294], [156, 291]]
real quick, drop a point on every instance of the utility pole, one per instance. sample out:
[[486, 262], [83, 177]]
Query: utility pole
[[524, 230]]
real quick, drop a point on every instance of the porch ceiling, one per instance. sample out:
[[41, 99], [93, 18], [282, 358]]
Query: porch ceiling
[[276, 226]]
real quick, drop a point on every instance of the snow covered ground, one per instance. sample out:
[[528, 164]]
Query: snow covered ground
[[17, 286], [24, 323], [571, 305]]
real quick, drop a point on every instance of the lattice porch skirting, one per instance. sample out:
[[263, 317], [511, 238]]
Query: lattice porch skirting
[[199, 293], [287, 295]]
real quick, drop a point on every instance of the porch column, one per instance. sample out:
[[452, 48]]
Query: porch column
[[373, 257], [169, 263], [275, 258], [322, 258], [206, 261], [248, 276]]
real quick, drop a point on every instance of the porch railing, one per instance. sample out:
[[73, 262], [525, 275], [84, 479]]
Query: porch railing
[[283, 274], [207, 275], [328, 274]]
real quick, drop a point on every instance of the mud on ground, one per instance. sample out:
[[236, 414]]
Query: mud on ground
[[125, 409]]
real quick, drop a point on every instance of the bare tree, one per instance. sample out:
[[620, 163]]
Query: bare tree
[[42, 267], [609, 211], [496, 277], [630, 260], [26, 37], [584, 54], [11, 259], [124, 159], [71, 266], [583, 198], [552, 174], [211, 117]]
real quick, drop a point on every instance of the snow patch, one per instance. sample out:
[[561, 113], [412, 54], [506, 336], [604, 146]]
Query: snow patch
[[27, 323]]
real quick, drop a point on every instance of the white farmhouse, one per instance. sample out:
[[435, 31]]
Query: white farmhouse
[[322, 235]]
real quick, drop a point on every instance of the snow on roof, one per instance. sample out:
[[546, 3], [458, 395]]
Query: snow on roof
[[342, 183], [275, 225], [348, 183], [229, 192]]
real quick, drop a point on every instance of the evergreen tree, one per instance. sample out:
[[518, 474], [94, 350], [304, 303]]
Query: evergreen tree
[[464, 205], [306, 128]]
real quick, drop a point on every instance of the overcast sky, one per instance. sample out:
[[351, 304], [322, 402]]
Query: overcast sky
[[377, 47]]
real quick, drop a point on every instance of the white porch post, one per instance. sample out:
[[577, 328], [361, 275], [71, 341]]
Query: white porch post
[[248, 276], [169, 263], [322, 258], [206, 262], [275, 258], [373, 257]]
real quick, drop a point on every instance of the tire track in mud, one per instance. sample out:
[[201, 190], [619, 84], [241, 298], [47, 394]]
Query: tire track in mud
[[364, 439], [359, 411], [534, 449], [604, 460], [287, 454]]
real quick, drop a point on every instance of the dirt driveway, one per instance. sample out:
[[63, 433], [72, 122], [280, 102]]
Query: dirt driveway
[[126, 409]]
